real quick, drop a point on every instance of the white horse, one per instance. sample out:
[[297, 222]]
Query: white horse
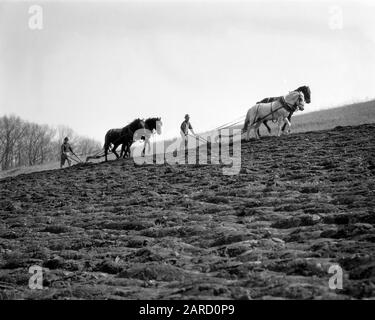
[[276, 111]]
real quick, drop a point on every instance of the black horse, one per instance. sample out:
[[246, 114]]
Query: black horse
[[152, 125], [306, 92], [122, 136]]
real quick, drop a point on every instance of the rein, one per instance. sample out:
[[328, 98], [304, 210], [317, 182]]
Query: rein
[[231, 123], [271, 113], [199, 137], [284, 104]]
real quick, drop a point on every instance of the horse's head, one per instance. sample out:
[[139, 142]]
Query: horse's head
[[154, 124], [300, 103], [296, 99], [306, 92]]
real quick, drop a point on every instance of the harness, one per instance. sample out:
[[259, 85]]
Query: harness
[[287, 106], [126, 133]]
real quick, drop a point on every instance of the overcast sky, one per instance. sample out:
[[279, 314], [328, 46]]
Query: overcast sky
[[99, 65]]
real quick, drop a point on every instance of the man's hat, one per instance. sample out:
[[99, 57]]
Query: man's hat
[[66, 139], [187, 116]]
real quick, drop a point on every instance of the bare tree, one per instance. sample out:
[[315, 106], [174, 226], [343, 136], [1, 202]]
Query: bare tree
[[85, 146], [12, 129], [65, 131], [25, 144], [46, 144], [37, 143]]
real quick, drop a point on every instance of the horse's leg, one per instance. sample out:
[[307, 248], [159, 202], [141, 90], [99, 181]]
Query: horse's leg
[[256, 130], [147, 142], [267, 126], [287, 123], [249, 124], [122, 152], [248, 133], [106, 152], [114, 150], [127, 150], [144, 148], [290, 120], [279, 122]]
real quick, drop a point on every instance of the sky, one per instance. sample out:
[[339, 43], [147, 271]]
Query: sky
[[98, 65]]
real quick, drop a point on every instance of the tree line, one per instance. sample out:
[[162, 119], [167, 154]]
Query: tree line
[[24, 143]]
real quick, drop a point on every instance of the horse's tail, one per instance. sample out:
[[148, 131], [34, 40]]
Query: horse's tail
[[105, 143], [106, 140], [247, 121], [245, 125]]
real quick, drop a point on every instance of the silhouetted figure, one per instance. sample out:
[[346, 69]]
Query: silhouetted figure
[[65, 148], [184, 130]]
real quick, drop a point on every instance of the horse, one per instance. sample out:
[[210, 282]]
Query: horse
[[152, 125], [307, 94], [276, 110], [121, 136], [125, 150]]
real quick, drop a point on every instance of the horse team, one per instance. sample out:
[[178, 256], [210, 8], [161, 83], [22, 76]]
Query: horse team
[[278, 109], [138, 129]]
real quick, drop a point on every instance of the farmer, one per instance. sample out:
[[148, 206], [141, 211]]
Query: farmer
[[185, 127], [65, 148]]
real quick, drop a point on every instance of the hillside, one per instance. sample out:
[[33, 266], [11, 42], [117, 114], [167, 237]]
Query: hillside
[[300, 204], [354, 114], [348, 115]]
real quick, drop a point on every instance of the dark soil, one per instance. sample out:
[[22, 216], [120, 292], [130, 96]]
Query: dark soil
[[300, 204]]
